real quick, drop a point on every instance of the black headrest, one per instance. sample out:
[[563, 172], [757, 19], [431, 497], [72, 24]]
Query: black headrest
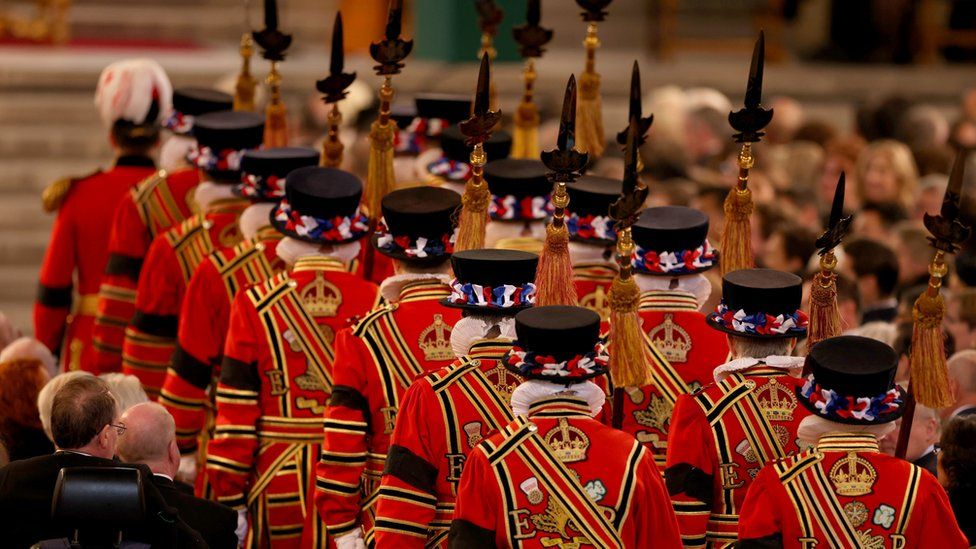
[[98, 498]]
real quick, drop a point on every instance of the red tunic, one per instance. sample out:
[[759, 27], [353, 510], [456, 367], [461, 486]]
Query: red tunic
[[847, 494], [685, 351], [275, 380], [592, 281], [173, 257], [80, 243], [720, 439], [546, 481], [375, 364], [419, 488], [155, 205], [203, 329]]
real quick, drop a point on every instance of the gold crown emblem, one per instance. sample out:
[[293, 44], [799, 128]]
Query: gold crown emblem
[[853, 476], [321, 297], [435, 340], [597, 302], [568, 443], [674, 343], [777, 401]]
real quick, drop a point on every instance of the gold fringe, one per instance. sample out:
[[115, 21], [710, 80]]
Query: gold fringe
[[824, 315], [736, 248], [380, 178], [474, 216], [53, 195], [554, 276], [525, 140], [628, 358], [589, 116], [929, 374], [276, 121], [332, 147]]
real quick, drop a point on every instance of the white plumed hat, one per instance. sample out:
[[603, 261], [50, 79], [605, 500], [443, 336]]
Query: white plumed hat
[[127, 89]]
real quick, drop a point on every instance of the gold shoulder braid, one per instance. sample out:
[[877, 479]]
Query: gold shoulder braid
[[53, 195]]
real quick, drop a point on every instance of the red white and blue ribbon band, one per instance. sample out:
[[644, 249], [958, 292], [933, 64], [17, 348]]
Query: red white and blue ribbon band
[[178, 122], [537, 365], [207, 160], [831, 405], [271, 187], [413, 138], [676, 263], [488, 297], [590, 227], [337, 229], [451, 170], [760, 323], [527, 208], [419, 248]]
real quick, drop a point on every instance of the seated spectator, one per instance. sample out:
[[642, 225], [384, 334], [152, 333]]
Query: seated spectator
[[86, 428], [876, 220], [931, 192], [848, 303], [875, 268], [957, 472], [816, 131], [8, 332], [20, 422], [126, 389], [789, 248], [914, 254], [962, 383], [886, 172], [922, 441], [28, 348], [45, 399], [150, 439], [960, 318]]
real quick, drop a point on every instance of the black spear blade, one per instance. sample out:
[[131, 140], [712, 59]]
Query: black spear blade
[[394, 20], [489, 16], [477, 129], [595, 9], [627, 207], [272, 41], [531, 37], [482, 94], [533, 13], [390, 52], [754, 85], [565, 162], [946, 228], [838, 226], [271, 15], [751, 120], [334, 85], [635, 111]]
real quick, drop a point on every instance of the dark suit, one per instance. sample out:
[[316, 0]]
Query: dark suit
[[27, 487], [214, 522], [929, 462]]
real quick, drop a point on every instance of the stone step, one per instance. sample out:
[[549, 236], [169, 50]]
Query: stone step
[[24, 246]]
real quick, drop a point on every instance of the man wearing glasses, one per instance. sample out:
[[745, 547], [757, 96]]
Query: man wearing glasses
[[86, 428]]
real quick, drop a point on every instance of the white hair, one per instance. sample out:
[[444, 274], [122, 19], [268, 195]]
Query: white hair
[[126, 389], [885, 332], [290, 250], [45, 398], [172, 155], [126, 90], [962, 368], [695, 284], [28, 348], [470, 329], [813, 427], [254, 218], [208, 192], [760, 348]]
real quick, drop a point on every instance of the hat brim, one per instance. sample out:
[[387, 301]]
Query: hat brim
[[280, 227], [487, 311], [686, 273], [880, 420], [558, 380], [237, 190], [401, 255], [592, 241], [722, 328]]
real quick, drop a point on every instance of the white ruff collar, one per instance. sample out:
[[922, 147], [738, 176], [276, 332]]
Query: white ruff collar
[[391, 287], [786, 363]]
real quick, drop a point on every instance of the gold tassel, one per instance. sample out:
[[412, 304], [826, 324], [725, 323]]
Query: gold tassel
[[244, 89], [824, 315], [554, 275], [525, 140], [589, 113], [276, 120], [628, 355], [929, 374], [474, 205], [332, 148], [736, 245], [380, 178]]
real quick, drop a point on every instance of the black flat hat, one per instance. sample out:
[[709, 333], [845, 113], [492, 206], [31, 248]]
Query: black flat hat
[[560, 332], [265, 163], [762, 292], [673, 229], [518, 177], [592, 195], [419, 212], [453, 108], [324, 194], [198, 101], [228, 130], [493, 268], [498, 146], [853, 367]]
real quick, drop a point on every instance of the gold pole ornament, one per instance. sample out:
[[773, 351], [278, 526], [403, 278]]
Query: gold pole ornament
[[489, 18], [274, 43], [531, 38], [334, 87], [824, 314], [590, 114], [246, 84]]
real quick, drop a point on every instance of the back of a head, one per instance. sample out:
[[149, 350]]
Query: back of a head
[[958, 460], [28, 348], [962, 369], [45, 399], [869, 257], [149, 431], [20, 383], [132, 96], [126, 389], [82, 408]]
